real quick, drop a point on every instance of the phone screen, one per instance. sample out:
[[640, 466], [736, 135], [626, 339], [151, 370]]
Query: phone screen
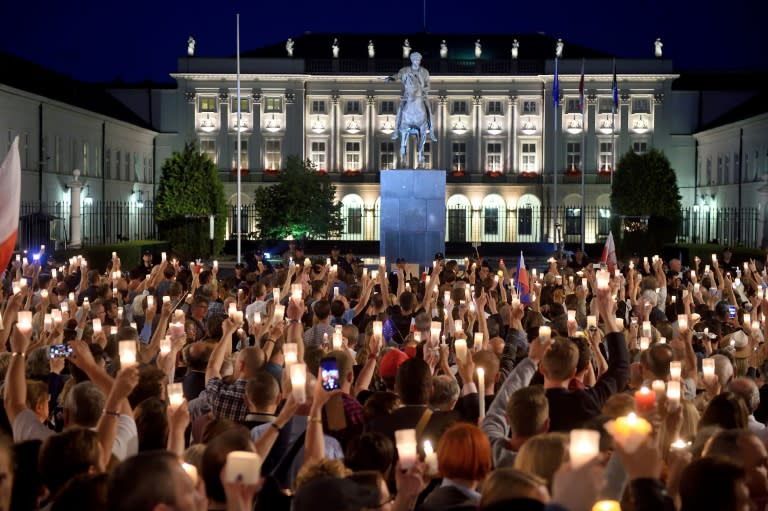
[[329, 374], [60, 350], [731, 311]]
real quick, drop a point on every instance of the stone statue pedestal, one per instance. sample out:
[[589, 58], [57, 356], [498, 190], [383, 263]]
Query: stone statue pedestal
[[412, 215]]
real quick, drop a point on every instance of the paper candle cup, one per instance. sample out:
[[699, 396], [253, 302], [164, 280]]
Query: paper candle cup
[[584, 446], [682, 323], [478, 341], [48, 323], [571, 315], [592, 322], [708, 369], [175, 395], [336, 342], [299, 381], [629, 431], [243, 466], [405, 440], [545, 334], [237, 317], [24, 321], [673, 395], [165, 345], [290, 353], [460, 346], [675, 369], [603, 279], [296, 292], [430, 457], [127, 351], [645, 342], [279, 312], [382, 261]]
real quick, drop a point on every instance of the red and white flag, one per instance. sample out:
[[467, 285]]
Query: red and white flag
[[609, 254], [10, 192]]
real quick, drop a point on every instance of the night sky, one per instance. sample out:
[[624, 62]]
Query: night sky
[[139, 39]]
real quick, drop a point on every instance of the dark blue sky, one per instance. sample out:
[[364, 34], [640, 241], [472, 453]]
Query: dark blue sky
[[140, 39]]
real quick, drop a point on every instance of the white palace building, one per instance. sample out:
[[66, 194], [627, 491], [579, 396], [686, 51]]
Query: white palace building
[[494, 119]]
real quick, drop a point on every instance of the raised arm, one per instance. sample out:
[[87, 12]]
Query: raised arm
[[15, 380], [106, 429], [223, 347]]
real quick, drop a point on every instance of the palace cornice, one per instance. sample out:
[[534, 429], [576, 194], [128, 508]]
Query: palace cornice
[[219, 77]]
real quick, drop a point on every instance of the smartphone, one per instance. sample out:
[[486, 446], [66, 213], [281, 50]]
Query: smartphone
[[329, 374], [60, 350], [731, 311]]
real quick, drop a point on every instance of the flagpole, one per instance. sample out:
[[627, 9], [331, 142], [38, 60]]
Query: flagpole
[[556, 98], [614, 93], [239, 142], [583, 156]]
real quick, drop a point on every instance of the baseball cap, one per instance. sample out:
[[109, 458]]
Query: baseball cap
[[439, 256], [740, 343], [335, 493], [390, 363]]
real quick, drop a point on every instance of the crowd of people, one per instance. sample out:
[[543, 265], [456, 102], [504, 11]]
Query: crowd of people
[[323, 383]]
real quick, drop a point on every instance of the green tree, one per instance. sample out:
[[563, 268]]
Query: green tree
[[189, 192], [645, 185], [301, 205]]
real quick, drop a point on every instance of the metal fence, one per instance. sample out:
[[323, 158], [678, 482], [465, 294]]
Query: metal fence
[[102, 222], [105, 222]]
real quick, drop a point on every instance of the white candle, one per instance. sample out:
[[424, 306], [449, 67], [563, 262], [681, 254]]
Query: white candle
[[24, 321], [150, 301], [571, 315], [165, 344], [237, 317], [591, 322], [335, 291], [257, 318], [114, 255], [545, 334], [603, 279], [299, 381], [216, 264], [175, 395], [673, 395], [374, 274], [675, 370], [132, 324], [163, 256], [56, 316], [96, 323], [679, 445], [481, 391], [336, 342], [708, 369], [662, 340], [659, 387], [430, 457], [244, 467], [460, 346], [290, 353], [644, 343], [65, 308], [405, 440], [112, 330], [714, 258], [478, 341], [296, 292], [177, 329], [378, 328], [127, 351], [693, 274], [231, 309], [584, 446], [279, 312], [682, 323]]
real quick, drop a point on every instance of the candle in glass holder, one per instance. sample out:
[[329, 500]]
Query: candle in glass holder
[[645, 342], [571, 315], [48, 323], [24, 321], [65, 307], [430, 457], [620, 324], [584, 446], [175, 395], [647, 329], [545, 334], [645, 399], [606, 505], [603, 279], [460, 347], [290, 353], [243, 467], [434, 332], [629, 431], [382, 261], [279, 312], [231, 309], [673, 395], [708, 370], [150, 301], [746, 319], [237, 317], [165, 344], [299, 381], [477, 345], [96, 324], [296, 292], [119, 313], [591, 322], [127, 351], [378, 328], [675, 369], [336, 341], [714, 258], [659, 388], [458, 326], [113, 330], [405, 440], [56, 316]]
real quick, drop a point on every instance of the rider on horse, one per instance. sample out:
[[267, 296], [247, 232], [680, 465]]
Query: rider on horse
[[408, 75]]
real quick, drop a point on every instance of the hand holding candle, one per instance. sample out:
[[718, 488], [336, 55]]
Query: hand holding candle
[[405, 440], [584, 446], [629, 431]]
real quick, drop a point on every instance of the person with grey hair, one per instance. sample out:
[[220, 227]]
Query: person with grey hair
[[445, 392], [746, 389]]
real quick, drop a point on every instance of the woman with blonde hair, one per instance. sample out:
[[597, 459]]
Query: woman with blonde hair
[[542, 455]]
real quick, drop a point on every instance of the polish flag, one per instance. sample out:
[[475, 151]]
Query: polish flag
[[609, 254], [10, 192]]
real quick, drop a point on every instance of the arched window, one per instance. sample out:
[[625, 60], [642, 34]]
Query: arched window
[[459, 212], [494, 218], [352, 216], [528, 218]]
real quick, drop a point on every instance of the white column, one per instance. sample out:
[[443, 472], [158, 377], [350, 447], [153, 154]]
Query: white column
[[511, 134], [478, 132], [75, 220]]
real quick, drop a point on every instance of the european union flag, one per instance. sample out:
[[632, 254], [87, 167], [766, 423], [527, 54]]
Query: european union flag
[[556, 87], [615, 88]]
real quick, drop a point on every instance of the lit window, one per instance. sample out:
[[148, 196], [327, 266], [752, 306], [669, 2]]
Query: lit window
[[245, 105], [528, 158], [272, 156], [317, 156], [387, 156], [352, 157], [493, 157], [459, 156], [606, 156], [573, 156], [273, 104], [206, 104], [206, 147]]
